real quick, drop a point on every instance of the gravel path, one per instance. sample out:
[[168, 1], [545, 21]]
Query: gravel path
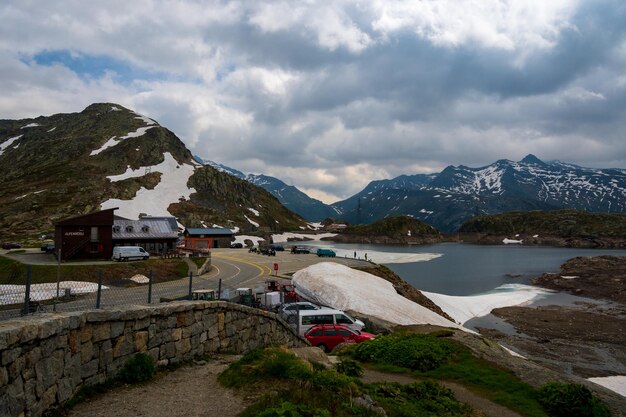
[[190, 391]]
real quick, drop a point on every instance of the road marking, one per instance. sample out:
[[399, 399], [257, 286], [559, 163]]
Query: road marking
[[265, 270]]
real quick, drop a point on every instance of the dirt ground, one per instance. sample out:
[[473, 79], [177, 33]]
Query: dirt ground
[[190, 391], [584, 339]]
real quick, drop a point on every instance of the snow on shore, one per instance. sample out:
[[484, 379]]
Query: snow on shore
[[12, 294], [464, 308], [284, 237], [242, 238], [614, 383], [387, 257], [344, 288]]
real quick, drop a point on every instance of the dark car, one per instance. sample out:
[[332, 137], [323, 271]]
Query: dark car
[[47, 247], [326, 252], [237, 245], [277, 247], [11, 245], [300, 249], [328, 336]]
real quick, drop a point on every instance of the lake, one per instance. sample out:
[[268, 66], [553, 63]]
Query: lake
[[465, 269]]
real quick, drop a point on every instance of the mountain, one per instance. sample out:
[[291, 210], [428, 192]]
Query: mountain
[[457, 193], [291, 197], [109, 156]]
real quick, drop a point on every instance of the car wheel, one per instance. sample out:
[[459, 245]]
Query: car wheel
[[323, 347]]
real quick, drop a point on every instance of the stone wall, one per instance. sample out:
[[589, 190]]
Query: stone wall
[[46, 359]]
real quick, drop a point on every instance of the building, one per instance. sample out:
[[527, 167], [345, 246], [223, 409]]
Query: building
[[89, 236], [93, 235], [206, 238], [154, 234]]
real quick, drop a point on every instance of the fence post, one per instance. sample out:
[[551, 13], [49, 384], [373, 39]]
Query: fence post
[[219, 290], [150, 287], [99, 289], [190, 282], [26, 308]]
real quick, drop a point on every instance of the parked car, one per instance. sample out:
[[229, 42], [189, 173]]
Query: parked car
[[11, 245], [125, 253], [289, 311], [236, 245], [277, 247], [325, 315], [47, 247], [328, 336], [300, 249], [326, 252]]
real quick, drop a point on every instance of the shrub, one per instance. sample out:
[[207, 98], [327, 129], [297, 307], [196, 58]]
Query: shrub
[[139, 368], [350, 368], [413, 351], [288, 409], [570, 400]]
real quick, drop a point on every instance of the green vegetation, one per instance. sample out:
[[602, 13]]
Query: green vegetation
[[392, 227], [304, 390], [570, 400], [562, 223], [199, 261], [435, 356], [139, 368], [116, 274]]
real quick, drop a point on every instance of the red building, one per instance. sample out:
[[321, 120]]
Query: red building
[[201, 239], [85, 237]]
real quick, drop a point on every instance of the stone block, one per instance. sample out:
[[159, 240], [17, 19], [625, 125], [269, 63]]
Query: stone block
[[85, 333], [49, 397], [183, 346], [117, 328], [9, 355], [4, 376], [28, 332], [123, 346], [141, 341], [176, 335], [73, 341], [101, 332], [49, 328], [86, 352], [48, 371], [89, 369], [16, 367], [142, 323], [65, 390]]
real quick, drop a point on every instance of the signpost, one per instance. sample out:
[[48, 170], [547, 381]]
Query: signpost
[[275, 268]]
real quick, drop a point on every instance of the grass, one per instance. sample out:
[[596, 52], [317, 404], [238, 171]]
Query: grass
[[14, 272], [297, 388], [440, 358], [199, 261]]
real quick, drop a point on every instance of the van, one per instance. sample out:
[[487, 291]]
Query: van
[[124, 253], [310, 318], [326, 252]]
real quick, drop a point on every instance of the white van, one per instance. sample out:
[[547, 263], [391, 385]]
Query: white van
[[310, 318], [124, 253]]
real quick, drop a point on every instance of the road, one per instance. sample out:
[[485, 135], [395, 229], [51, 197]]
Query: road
[[235, 268]]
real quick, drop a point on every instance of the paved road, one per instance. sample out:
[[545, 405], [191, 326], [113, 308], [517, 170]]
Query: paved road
[[235, 267]]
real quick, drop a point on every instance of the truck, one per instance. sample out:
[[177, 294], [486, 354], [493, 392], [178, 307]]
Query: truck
[[126, 253]]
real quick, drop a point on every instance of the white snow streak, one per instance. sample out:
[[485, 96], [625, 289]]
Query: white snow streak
[[8, 143]]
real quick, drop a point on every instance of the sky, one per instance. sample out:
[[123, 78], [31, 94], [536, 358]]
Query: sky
[[328, 96]]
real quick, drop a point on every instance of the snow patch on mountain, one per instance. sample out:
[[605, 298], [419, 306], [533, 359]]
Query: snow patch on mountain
[[171, 188], [4, 145]]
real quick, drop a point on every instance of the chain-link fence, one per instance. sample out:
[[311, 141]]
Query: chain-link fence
[[22, 293]]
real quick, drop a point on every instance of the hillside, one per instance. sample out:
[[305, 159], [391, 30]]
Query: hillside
[[396, 230], [108, 156], [458, 193], [561, 228]]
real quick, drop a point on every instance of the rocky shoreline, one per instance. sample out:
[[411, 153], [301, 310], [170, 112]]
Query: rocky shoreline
[[585, 339]]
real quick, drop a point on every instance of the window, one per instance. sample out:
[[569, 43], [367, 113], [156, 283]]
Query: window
[[346, 333], [330, 332], [317, 332], [94, 234], [342, 319], [323, 319]]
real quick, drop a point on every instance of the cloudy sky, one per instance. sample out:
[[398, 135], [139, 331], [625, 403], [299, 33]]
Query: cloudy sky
[[329, 95]]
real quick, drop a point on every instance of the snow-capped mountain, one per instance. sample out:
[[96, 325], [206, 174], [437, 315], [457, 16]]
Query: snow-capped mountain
[[290, 196], [458, 193]]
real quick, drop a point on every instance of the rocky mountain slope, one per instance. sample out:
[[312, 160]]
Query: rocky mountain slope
[[108, 156], [290, 196], [447, 199]]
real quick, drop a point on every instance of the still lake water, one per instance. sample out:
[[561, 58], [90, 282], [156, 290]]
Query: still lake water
[[465, 269]]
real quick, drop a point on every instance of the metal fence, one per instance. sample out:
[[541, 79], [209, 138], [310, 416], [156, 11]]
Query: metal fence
[[21, 296]]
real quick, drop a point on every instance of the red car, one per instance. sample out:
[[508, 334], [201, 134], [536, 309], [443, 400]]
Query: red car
[[327, 336]]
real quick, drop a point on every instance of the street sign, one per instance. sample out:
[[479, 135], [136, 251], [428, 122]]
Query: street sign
[[276, 268]]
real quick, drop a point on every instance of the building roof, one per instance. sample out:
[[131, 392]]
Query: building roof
[[208, 231], [146, 228], [95, 218]]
